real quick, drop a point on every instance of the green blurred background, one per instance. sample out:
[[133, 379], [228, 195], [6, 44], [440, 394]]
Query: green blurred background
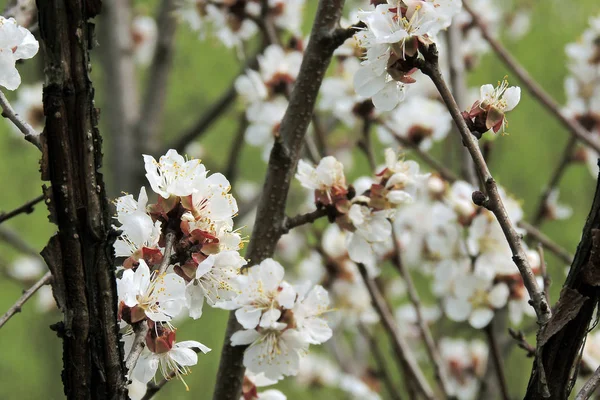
[[30, 354]]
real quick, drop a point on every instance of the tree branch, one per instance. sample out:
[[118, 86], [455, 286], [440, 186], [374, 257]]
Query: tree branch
[[120, 80], [431, 68], [399, 345], [497, 360], [139, 342], [545, 241], [413, 296], [590, 386], [280, 170], [380, 363], [26, 208], [152, 111], [8, 112], [16, 308], [565, 161], [13, 239], [574, 127], [303, 219]]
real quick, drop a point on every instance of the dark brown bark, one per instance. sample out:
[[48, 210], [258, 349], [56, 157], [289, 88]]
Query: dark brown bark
[[80, 255], [560, 341], [270, 215]]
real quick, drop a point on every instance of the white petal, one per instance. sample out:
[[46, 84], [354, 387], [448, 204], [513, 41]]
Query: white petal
[[367, 83], [244, 337], [248, 316], [481, 317], [512, 96]]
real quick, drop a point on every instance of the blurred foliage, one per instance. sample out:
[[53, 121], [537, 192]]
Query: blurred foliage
[[30, 355]]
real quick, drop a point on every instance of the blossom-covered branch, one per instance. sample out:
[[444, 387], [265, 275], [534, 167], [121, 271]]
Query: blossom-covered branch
[[574, 127], [16, 308], [282, 162], [494, 203]]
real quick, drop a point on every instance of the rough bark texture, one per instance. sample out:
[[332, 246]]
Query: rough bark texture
[[270, 215], [560, 342], [80, 255]]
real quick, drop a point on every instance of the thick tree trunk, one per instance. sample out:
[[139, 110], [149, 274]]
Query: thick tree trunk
[[560, 341], [80, 255]]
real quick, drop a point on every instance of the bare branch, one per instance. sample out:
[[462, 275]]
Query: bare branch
[[497, 360], [401, 348], [16, 308], [169, 247], [303, 219], [413, 296], [519, 337], [206, 120], [458, 84], [231, 167], [380, 363], [590, 386], [544, 272], [26, 208], [574, 127], [495, 204], [8, 112], [152, 110], [545, 241], [13, 239], [365, 144], [139, 342], [120, 80], [565, 161]]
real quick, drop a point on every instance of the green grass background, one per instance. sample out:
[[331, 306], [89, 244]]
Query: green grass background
[[30, 354]]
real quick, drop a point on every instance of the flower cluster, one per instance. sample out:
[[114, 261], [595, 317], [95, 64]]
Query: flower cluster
[[265, 93], [279, 321], [235, 22], [176, 253], [394, 33], [181, 252]]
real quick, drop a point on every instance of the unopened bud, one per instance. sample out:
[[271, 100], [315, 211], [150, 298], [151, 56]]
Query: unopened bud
[[479, 198]]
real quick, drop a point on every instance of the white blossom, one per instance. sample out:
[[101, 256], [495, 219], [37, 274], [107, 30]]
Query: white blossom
[[172, 175], [466, 363], [16, 43]]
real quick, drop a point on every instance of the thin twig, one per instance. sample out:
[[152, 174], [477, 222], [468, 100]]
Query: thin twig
[[365, 143], [213, 113], [444, 172], [431, 68], [382, 370], [590, 386], [459, 90], [544, 272], [497, 359], [548, 243], [521, 341], [565, 161], [169, 247], [303, 219], [413, 296], [231, 168], [26, 208], [152, 109], [401, 348], [31, 135], [12, 238], [574, 127], [139, 342], [16, 308]]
